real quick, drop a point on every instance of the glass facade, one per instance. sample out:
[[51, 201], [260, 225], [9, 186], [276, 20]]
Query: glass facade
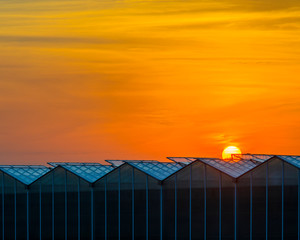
[[194, 200]]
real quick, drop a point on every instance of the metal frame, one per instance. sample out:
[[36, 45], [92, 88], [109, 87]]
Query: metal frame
[[282, 202], [52, 204], [251, 206], [132, 205], [147, 208], [92, 212], [205, 185], [15, 205], [40, 212], [66, 205], [175, 207], [220, 205], [78, 208], [267, 197]]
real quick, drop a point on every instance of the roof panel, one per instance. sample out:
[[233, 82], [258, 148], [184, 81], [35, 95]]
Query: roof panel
[[55, 164], [89, 172], [115, 163], [25, 174], [184, 160], [294, 160], [232, 168], [158, 170], [187, 160], [254, 157]]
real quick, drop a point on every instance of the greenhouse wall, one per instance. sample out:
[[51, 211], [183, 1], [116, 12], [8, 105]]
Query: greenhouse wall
[[196, 202]]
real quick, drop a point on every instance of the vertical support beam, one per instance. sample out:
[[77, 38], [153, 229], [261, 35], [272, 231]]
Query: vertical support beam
[[66, 206], [132, 206], [147, 208], [251, 206], [220, 205], [52, 206], [267, 198], [175, 193], [92, 212], [161, 211], [204, 175], [15, 203], [105, 205], [78, 208], [235, 212], [3, 209], [27, 196], [119, 205], [190, 205], [299, 204], [40, 211], [282, 202]]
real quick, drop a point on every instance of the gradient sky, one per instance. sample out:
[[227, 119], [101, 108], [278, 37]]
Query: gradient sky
[[96, 79]]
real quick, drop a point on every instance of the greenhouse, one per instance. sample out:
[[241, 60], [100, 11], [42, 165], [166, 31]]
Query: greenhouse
[[248, 197]]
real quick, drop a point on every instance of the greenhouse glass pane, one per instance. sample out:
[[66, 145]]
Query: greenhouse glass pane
[[85, 210], [212, 203], [169, 209], [113, 205], [139, 204], [197, 201], [126, 175], [227, 206], [154, 208], [290, 201], [274, 198], [99, 209], [294, 160], [158, 170], [59, 203], [1, 202], [243, 207], [9, 208], [25, 174], [46, 185], [183, 203], [115, 163], [90, 172], [72, 206], [183, 160], [259, 202], [34, 211], [232, 168]]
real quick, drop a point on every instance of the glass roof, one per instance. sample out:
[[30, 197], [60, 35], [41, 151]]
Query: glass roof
[[115, 163], [158, 170], [55, 164], [294, 160], [255, 157], [187, 160], [184, 160], [91, 172], [26, 174], [232, 168]]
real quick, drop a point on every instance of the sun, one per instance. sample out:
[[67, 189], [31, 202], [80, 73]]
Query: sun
[[227, 153]]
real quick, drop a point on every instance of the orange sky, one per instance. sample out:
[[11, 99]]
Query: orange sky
[[93, 80]]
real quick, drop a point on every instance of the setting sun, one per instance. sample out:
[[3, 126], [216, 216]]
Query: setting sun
[[227, 152]]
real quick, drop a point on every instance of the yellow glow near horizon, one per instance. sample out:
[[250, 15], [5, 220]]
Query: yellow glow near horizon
[[229, 151], [146, 79]]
